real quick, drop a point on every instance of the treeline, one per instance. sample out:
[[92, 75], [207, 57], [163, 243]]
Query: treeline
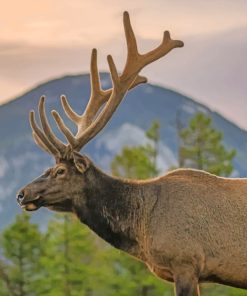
[[67, 259]]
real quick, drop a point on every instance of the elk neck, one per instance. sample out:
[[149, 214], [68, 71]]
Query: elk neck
[[112, 208]]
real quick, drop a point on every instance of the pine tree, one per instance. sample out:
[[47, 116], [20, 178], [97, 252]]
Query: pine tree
[[69, 259], [202, 147], [22, 248], [140, 161]]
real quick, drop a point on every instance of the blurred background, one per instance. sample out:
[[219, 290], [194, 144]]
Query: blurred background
[[194, 104]]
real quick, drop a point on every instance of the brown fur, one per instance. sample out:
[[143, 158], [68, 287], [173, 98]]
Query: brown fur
[[188, 226]]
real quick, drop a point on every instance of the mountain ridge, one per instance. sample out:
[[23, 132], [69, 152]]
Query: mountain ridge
[[21, 160], [69, 76]]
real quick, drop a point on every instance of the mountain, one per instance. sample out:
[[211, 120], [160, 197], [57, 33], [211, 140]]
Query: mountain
[[21, 160]]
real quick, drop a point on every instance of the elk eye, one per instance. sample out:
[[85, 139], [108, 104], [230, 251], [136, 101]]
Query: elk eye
[[60, 172]]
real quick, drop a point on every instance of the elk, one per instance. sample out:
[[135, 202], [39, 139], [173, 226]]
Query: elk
[[187, 226]]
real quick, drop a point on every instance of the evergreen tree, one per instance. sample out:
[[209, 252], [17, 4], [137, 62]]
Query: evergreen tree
[[152, 149], [69, 259], [22, 248], [140, 161], [202, 147]]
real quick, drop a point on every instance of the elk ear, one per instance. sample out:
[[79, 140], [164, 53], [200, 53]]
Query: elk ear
[[81, 162]]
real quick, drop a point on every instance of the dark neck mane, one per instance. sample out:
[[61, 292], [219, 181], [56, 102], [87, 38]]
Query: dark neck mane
[[112, 208]]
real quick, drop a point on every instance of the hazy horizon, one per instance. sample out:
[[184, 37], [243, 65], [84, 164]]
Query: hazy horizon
[[40, 41]]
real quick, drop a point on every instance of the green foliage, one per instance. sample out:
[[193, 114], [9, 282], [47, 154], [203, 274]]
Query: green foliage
[[139, 162], [22, 247], [133, 162], [202, 147], [69, 258]]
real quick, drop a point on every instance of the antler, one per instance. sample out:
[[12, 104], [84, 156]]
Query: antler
[[91, 122], [97, 99]]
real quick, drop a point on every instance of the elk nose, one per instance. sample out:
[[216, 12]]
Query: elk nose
[[20, 197]]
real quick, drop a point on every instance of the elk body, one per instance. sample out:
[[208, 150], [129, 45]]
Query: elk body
[[187, 226]]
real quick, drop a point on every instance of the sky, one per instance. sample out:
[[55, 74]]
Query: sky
[[42, 40]]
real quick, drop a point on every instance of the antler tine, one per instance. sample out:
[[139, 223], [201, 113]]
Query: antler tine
[[166, 45], [47, 129], [113, 72], [63, 128], [132, 49], [94, 75], [39, 143], [98, 95], [136, 61], [97, 98], [73, 116], [41, 139]]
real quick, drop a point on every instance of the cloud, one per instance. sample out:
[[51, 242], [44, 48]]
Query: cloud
[[127, 134], [131, 135]]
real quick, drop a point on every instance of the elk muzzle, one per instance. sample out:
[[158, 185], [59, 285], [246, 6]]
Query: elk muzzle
[[27, 202]]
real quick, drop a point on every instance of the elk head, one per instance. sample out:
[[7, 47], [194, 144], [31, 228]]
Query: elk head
[[60, 185]]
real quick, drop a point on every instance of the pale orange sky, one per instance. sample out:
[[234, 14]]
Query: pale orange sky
[[53, 22], [44, 39]]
